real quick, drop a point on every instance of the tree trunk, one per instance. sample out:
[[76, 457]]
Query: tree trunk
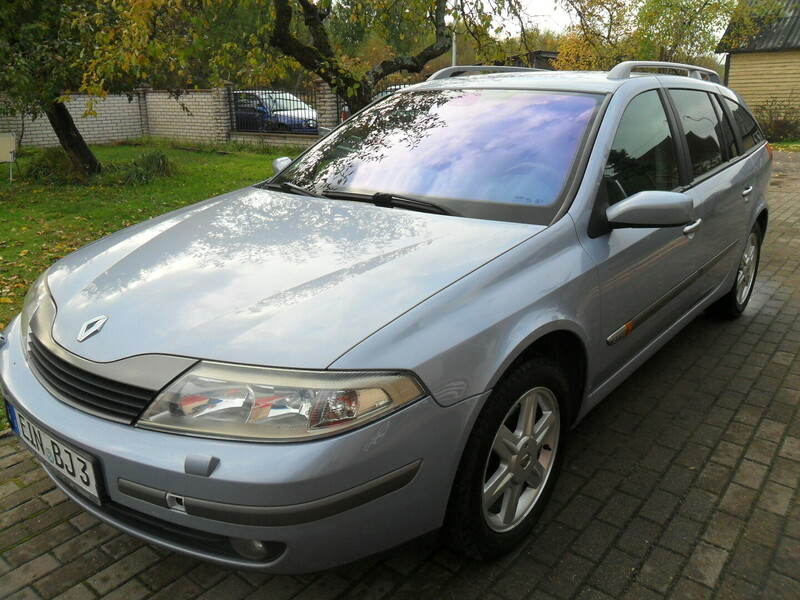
[[319, 56], [72, 140]]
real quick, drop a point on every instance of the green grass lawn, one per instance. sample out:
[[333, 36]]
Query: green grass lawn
[[789, 146], [41, 223]]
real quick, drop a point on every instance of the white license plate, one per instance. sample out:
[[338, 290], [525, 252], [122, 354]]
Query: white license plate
[[77, 468]]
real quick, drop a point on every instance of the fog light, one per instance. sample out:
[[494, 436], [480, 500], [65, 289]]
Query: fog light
[[252, 549]]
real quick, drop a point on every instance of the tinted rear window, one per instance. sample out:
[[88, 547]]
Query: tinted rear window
[[748, 128], [483, 153], [701, 128]]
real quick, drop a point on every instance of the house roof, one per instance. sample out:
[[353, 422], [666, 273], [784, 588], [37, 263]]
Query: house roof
[[783, 34]]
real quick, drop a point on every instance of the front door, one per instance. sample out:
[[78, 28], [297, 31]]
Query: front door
[[647, 275]]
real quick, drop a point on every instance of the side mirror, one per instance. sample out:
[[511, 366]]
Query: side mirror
[[279, 164], [651, 209]]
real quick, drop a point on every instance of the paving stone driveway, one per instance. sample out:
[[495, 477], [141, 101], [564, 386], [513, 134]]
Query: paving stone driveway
[[682, 484]]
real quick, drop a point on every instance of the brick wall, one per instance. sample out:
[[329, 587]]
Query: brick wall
[[117, 119], [273, 140], [198, 115], [327, 105]]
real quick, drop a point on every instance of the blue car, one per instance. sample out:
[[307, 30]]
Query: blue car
[[273, 111]]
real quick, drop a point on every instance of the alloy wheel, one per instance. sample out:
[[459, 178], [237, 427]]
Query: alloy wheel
[[521, 459], [746, 273]]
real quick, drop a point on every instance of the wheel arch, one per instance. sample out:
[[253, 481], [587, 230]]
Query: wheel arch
[[568, 350], [762, 219], [468, 531]]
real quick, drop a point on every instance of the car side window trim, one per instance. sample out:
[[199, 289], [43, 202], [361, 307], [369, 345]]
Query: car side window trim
[[679, 137], [726, 130], [714, 171], [737, 135]]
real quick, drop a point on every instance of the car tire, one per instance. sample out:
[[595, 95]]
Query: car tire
[[511, 461], [733, 303]]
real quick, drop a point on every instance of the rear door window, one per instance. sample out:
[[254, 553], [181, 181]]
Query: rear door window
[[701, 127], [247, 101]]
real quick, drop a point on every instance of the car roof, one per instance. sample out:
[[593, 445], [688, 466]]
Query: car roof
[[577, 81], [264, 92], [573, 80]]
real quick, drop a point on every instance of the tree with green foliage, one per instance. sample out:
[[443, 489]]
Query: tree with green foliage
[[100, 47], [41, 52], [351, 22], [682, 30], [179, 44], [604, 34], [319, 56], [163, 38], [609, 31]]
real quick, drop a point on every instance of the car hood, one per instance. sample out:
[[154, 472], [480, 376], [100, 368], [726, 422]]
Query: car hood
[[266, 278]]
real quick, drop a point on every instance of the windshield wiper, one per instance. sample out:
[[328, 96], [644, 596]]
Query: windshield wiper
[[291, 188], [391, 201]]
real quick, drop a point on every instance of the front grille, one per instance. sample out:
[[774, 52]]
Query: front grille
[[84, 390]]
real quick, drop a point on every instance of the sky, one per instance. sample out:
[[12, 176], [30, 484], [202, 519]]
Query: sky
[[547, 15]]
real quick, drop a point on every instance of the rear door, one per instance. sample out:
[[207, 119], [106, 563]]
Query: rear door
[[722, 182]]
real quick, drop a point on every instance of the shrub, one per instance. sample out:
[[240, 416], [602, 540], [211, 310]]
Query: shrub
[[50, 166], [147, 166], [141, 170], [779, 117]]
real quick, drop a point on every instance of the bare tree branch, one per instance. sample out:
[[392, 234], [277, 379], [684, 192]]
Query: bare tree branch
[[319, 58], [415, 64]]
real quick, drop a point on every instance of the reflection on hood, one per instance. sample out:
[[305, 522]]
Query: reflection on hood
[[262, 277]]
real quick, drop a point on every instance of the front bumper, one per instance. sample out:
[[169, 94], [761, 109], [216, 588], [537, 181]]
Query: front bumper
[[315, 504]]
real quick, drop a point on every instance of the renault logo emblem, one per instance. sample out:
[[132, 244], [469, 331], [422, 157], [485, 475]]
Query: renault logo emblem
[[91, 327]]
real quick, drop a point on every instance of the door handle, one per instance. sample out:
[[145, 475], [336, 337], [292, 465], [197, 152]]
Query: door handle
[[746, 192], [693, 226]]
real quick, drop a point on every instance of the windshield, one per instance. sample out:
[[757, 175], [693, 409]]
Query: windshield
[[288, 102], [492, 154]]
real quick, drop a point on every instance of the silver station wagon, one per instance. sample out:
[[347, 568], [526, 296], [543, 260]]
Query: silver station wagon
[[396, 333]]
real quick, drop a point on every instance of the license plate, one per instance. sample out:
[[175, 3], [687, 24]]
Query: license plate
[[76, 468]]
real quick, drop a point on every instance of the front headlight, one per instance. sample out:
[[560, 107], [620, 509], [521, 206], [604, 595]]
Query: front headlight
[[33, 299], [242, 402]]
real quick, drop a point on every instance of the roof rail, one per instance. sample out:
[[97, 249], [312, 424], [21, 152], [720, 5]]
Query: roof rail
[[448, 72], [624, 69]]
